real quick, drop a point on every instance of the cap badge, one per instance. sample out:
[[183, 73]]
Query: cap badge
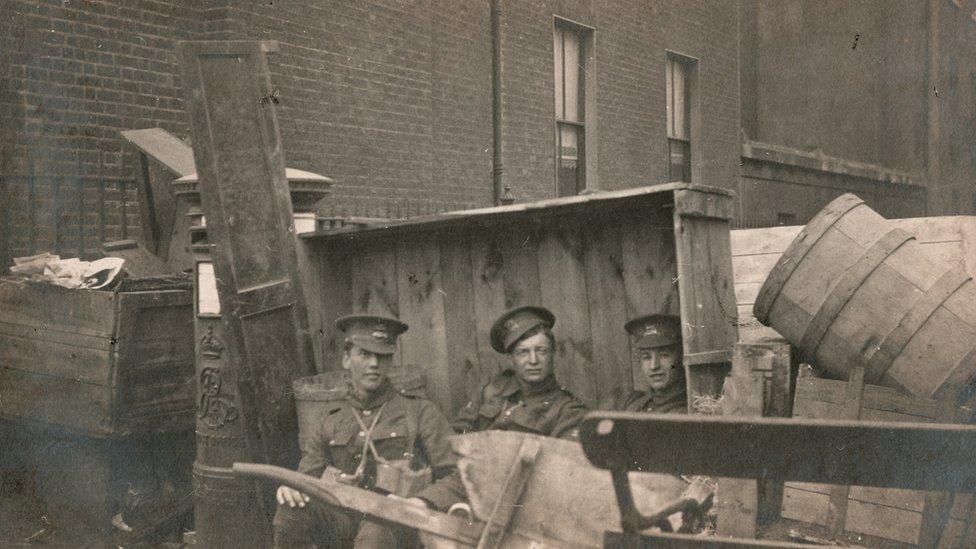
[[382, 336], [650, 330], [511, 325]]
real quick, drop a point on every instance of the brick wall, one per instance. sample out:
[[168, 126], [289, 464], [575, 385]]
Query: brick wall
[[392, 99], [631, 40], [72, 74]]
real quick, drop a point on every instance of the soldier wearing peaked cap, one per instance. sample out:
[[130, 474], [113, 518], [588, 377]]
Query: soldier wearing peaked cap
[[375, 440], [526, 397], [656, 340]]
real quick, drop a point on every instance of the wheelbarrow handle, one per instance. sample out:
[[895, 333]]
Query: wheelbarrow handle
[[310, 486]]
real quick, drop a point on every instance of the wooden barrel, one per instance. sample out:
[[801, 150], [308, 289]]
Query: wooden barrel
[[850, 290], [316, 396]]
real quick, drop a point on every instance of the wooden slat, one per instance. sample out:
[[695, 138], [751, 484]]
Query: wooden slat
[[373, 272], [46, 306], [488, 291], [421, 303], [335, 284], [606, 299], [564, 293], [884, 522], [708, 312], [649, 269], [850, 408], [60, 357], [80, 406], [464, 369], [519, 250]]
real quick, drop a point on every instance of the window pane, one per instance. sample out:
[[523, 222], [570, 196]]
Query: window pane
[[572, 73], [669, 90], [568, 175], [679, 89], [679, 160], [557, 48]]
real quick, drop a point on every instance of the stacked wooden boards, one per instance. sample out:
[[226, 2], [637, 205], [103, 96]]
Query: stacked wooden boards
[[595, 261], [890, 514], [97, 363], [950, 240]]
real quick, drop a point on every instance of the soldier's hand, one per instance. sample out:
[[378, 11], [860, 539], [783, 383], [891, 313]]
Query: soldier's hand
[[291, 497]]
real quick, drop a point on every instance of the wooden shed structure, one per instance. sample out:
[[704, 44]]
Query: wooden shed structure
[[595, 260]]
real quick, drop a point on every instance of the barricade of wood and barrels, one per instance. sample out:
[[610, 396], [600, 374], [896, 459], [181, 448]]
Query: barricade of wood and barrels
[[881, 318]]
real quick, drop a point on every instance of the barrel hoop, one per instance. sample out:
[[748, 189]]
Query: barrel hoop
[[923, 308], [845, 288], [962, 374], [797, 250]]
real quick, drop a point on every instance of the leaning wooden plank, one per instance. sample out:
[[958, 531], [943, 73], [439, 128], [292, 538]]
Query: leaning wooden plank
[[867, 454], [245, 197], [565, 499]]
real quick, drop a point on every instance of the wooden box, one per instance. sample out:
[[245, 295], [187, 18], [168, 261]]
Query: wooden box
[[97, 363], [595, 261], [889, 514]]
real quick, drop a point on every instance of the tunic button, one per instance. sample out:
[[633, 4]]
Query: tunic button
[[362, 434], [367, 412], [392, 434]]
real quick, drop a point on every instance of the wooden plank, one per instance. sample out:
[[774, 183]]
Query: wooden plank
[[163, 147], [967, 232], [738, 499], [763, 241], [47, 354], [804, 506], [520, 267], [374, 279], [850, 408], [488, 290], [245, 197], [508, 501], [421, 303], [708, 311], [649, 269], [689, 203], [463, 366], [753, 268], [334, 283], [49, 307], [565, 294], [606, 300], [787, 448], [310, 263], [884, 522], [83, 407]]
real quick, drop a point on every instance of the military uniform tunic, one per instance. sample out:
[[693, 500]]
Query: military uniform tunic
[[506, 404], [671, 400], [409, 427]]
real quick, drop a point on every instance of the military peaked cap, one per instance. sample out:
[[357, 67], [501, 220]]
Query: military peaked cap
[[377, 334], [654, 331], [515, 323]]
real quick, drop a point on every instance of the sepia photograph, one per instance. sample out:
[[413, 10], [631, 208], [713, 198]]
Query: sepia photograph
[[488, 274]]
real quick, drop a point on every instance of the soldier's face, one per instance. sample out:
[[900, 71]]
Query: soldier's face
[[532, 358], [658, 365], [368, 370]]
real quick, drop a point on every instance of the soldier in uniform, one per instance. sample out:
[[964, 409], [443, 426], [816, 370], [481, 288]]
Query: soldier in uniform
[[525, 397], [657, 343], [377, 426]]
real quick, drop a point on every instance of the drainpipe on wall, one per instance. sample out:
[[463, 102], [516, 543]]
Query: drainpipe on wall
[[937, 201], [502, 193]]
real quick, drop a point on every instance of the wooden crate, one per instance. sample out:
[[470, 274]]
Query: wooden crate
[[885, 513], [97, 363], [595, 261], [950, 240]]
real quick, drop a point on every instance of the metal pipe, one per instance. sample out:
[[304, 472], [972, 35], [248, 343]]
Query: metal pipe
[[502, 193]]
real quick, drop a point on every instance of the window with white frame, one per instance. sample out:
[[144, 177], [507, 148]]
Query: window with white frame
[[570, 44], [680, 76]]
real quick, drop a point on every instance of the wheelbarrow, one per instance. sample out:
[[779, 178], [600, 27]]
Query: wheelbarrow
[[524, 491]]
